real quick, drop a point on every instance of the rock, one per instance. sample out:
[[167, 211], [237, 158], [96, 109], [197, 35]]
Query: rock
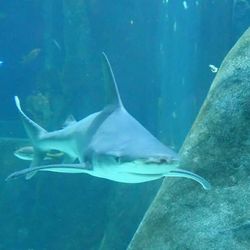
[[183, 215]]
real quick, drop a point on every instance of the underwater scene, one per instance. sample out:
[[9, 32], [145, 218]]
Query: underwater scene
[[125, 124]]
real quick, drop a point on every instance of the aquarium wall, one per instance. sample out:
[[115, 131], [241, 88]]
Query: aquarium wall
[[164, 55]]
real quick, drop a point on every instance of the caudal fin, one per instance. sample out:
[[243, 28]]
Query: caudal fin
[[32, 129]]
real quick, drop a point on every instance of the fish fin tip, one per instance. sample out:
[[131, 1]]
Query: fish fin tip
[[187, 174], [112, 93], [17, 101]]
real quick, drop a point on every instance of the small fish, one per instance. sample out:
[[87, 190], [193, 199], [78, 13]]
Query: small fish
[[174, 115], [175, 26], [185, 6], [1, 63], [27, 154], [213, 68], [57, 45], [31, 56]]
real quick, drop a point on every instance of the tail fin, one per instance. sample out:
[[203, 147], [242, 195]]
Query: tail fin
[[32, 129]]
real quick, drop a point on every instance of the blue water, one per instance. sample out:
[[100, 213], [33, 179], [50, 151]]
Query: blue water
[[50, 54]]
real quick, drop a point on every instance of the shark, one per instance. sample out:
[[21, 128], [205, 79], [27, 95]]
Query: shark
[[108, 144]]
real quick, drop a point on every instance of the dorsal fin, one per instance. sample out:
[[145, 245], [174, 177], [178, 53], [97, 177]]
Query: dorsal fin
[[112, 93], [32, 129], [69, 121]]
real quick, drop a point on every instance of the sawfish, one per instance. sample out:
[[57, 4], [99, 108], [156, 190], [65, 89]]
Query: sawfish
[[108, 144]]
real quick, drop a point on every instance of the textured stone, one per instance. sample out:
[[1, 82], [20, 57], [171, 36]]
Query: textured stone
[[184, 216]]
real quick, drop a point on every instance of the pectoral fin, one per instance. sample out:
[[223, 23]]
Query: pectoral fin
[[187, 174], [59, 168]]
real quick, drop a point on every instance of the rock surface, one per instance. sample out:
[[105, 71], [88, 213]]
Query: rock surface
[[183, 215]]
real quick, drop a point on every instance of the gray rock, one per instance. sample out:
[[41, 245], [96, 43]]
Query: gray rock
[[184, 216]]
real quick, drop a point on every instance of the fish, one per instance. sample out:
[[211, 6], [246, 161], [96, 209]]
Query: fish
[[56, 44], [185, 5], [213, 68], [27, 154], [1, 63], [31, 56], [109, 144]]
